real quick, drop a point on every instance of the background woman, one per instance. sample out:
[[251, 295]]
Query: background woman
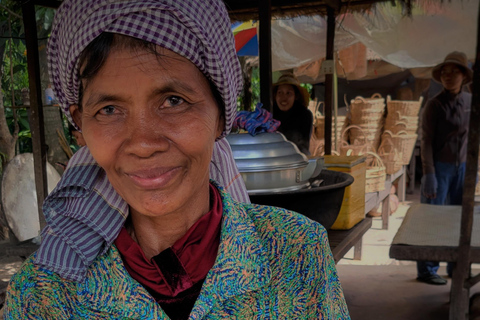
[[444, 145], [153, 86], [290, 108]]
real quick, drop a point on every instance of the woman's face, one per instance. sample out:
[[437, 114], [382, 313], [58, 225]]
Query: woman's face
[[452, 77], [285, 97], [151, 123]]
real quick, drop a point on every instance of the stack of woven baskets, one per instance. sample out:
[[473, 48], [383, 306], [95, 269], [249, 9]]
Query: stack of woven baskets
[[368, 114], [400, 132]]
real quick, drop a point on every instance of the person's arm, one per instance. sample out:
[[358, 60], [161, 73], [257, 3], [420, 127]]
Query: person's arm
[[428, 133], [429, 123], [305, 128], [327, 300]]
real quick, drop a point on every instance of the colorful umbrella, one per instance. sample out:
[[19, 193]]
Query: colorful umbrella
[[246, 40]]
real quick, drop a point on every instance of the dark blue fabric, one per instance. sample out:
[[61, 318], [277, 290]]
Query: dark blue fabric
[[450, 178]]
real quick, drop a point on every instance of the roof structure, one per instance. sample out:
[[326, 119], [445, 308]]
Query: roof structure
[[243, 10]]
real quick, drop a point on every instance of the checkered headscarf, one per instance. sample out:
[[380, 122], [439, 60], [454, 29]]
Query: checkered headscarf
[[197, 30]]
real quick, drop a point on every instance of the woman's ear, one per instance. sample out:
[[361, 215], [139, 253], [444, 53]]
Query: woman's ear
[[221, 126], [76, 115]]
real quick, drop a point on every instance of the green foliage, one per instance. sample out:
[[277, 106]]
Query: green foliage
[[13, 53], [24, 135]]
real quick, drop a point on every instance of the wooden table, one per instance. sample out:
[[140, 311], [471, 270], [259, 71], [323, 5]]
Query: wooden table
[[341, 241], [432, 233], [373, 199]]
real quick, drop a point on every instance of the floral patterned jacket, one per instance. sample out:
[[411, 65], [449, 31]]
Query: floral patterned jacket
[[272, 264]]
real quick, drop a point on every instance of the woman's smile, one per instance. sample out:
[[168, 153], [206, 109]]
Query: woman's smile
[[153, 178]]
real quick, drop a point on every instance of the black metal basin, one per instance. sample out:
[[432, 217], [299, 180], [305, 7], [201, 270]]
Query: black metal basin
[[321, 204]]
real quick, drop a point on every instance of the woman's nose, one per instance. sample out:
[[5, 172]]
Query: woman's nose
[[146, 136]]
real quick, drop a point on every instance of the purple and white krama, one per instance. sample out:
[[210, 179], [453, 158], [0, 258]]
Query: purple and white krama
[[84, 213]]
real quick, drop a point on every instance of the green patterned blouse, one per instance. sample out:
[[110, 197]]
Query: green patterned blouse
[[272, 264]]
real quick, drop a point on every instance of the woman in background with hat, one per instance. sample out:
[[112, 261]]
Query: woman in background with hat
[[290, 108], [444, 145]]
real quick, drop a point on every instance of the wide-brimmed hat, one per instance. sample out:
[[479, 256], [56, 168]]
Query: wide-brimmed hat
[[457, 58], [289, 78]]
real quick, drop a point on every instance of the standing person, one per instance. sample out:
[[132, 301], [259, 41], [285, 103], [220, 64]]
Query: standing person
[[444, 145], [290, 107], [152, 85]]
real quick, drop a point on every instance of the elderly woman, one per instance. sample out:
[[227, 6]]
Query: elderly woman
[[444, 145], [152, 85]]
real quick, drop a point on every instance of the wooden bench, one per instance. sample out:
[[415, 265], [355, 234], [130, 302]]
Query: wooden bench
[[341, 241]]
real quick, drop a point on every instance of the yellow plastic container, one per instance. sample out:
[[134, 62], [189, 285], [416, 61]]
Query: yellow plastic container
[[353, 205]]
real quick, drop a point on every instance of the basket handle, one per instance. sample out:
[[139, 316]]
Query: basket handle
[[379, 160], [420, 100], [359, 98], [376, 95], [354, 127], [402, 133], [317, 113], [389, 98], [388, 132], [386, 142]]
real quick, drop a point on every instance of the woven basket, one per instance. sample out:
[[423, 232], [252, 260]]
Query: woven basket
[[375, 175], [398, 126], [397, 116], [357, 146], [390, 156], [405, 108], [404, 142], [320, 126], [373, 107]]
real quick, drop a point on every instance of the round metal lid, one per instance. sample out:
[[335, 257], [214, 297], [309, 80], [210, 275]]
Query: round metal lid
[[265, 151]]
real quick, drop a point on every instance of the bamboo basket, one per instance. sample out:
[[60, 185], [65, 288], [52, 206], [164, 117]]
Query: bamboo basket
[[374, 102], [357, 147], [397, 116], [404, 142], [405, 108], [390, 156], [398, 126], [375, 174]]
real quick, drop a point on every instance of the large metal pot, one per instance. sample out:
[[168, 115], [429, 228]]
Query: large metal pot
[[268, 162]]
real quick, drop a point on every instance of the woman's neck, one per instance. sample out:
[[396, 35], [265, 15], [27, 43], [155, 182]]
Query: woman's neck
[[155, 234]]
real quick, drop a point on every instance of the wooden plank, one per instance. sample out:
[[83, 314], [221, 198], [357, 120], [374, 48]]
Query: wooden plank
[[329, 78], [36, 119], [459, 292], [265, 54], [341, 241], [430, 253]]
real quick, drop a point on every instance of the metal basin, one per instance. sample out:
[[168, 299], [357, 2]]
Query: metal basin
[[270, 163], [321, 203]]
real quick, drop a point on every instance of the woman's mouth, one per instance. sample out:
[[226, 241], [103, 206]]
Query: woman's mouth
[[154, 178]]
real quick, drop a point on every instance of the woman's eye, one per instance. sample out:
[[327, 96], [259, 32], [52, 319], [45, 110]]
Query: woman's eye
[[108, 110], [173, 101]]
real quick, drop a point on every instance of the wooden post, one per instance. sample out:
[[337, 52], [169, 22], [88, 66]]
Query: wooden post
[[36, 124], [265, 53], [329, 78], [460, 290]]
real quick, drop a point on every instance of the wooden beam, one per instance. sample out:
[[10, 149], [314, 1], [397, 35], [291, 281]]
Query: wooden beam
[[46, 3], [36, 119], [460, 293], [265, 54], [329, 80]]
